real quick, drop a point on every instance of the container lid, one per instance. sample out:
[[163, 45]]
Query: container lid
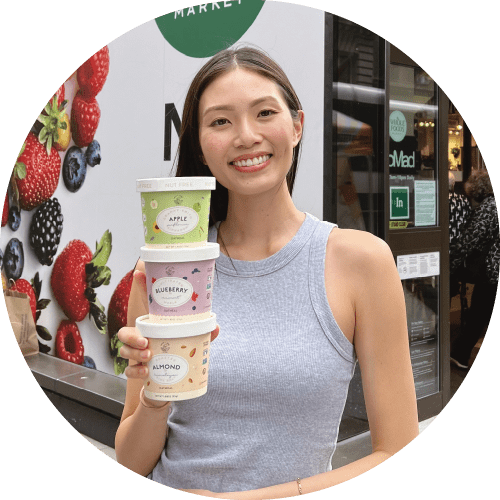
[[175, 330], [192, 254], [175, 184]]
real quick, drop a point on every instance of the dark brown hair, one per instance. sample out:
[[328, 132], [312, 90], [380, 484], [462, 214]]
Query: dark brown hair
[[189, 154], [478, 185]]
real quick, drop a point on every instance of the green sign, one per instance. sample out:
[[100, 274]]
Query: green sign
[[400, 202], [204, 30]]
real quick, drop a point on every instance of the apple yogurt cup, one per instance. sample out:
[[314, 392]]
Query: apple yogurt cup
[[179, 282], [175, 210], [178, 368]]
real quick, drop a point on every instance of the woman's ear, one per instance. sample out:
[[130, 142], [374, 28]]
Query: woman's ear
[[298, 125]]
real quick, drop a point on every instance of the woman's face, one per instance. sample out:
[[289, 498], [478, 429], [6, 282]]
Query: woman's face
[[247, 133]]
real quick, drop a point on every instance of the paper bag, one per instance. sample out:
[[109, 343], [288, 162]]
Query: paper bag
[[21, 318]]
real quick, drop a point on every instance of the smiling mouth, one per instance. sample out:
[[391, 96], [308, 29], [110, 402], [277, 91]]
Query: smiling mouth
[[250, 162]]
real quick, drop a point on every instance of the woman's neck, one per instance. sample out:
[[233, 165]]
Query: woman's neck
[[258, 226]]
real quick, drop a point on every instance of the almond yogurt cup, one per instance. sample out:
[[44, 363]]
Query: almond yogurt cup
[[179, 282], [175, 210], [178, 369]]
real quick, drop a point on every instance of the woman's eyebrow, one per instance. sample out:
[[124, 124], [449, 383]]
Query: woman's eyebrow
[[227, 107], [262, 99]]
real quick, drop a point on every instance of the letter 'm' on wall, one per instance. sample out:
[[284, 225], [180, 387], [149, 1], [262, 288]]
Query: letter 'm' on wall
[[171, 116]]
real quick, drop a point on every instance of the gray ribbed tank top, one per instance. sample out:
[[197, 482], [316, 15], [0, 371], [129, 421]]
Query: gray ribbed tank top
[[278, 377]]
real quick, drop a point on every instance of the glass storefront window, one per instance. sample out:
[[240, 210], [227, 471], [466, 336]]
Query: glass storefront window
[[358, 143], [413, 129], [421, 296], [383, 111], [358, 92]]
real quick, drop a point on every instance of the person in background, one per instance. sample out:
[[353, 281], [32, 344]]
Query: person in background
[[477, 249], [459, 213]]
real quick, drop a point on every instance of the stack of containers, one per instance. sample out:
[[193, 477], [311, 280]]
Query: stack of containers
[[180, 267]]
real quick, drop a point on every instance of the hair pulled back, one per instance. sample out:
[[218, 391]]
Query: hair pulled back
[[478, 185], [189, 153]]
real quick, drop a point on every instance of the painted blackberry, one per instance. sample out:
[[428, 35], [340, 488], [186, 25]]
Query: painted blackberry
[[45, 231]]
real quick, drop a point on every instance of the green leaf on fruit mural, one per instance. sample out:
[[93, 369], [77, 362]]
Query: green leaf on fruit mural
[[203, 30]]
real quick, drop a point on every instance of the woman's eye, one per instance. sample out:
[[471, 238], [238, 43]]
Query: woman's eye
[[219, 122], [267, 112]]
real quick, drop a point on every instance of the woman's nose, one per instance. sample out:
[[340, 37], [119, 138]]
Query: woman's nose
[[247, 134]]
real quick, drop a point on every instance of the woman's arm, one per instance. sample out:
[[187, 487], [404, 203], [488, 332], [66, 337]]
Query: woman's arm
[[142, 433], [382, 347]]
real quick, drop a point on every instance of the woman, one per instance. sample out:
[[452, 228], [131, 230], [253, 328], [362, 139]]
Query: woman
[[477, 249], [297, 301]]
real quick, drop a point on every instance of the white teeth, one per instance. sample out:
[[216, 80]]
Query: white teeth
[[250, 162]]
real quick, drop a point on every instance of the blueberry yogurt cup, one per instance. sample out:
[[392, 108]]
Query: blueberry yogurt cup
[[179, 282], [175, 210]]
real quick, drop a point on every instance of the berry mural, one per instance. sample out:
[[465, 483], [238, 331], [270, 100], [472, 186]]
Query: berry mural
[[50, 210], [72, 222]]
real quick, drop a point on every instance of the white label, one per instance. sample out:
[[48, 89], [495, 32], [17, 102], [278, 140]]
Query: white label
[[171, 292], [177, 220], [418, 265], [425, 203], [167, 369]]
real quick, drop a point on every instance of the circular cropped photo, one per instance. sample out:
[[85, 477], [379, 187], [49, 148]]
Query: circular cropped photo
[[249, 249]]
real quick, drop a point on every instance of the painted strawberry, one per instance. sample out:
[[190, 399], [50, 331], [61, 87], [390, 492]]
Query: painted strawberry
[[69, 344], [52, 126], [92, 74], [85, 116], [36, 173], [59, 94], [33, 290], [117, 318], [75, 275], [5, 213]]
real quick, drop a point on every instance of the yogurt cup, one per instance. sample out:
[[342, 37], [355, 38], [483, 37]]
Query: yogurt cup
[[179, 282], [178, 369], [175, 210]]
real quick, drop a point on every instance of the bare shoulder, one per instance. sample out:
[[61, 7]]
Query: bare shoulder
[[358, 267], [360, 251]]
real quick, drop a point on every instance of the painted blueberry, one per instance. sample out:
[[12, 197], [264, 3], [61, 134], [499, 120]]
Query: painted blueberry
[[14, 259], [74, 169], [14, 218], [88, 362], [196, 270], [93, 154]]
